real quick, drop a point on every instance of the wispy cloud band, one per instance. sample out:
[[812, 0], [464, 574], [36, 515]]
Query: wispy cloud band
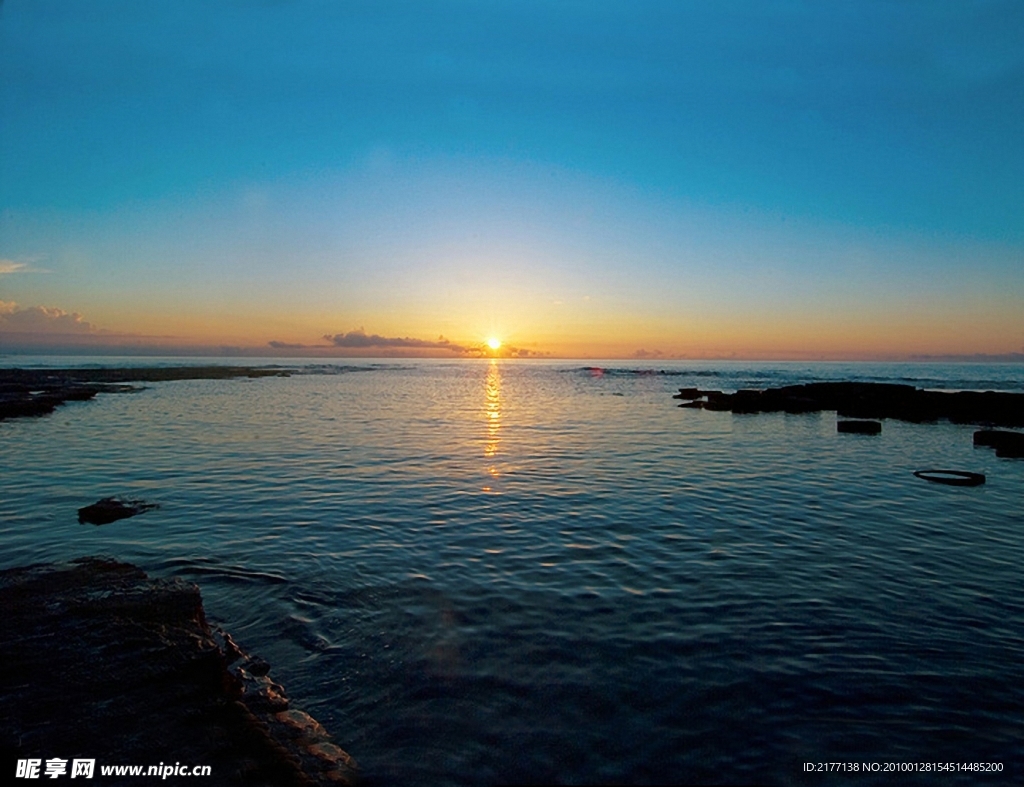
[[41, 320]]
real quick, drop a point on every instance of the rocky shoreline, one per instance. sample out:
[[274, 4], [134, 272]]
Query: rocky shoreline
[[868, 400], [101, 662], [36, 392]]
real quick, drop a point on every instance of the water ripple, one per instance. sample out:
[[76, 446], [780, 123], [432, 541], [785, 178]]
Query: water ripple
[[477, 573]]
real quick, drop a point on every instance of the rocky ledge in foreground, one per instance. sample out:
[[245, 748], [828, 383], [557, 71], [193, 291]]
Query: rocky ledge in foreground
[[100, 662], [869, 400], [35, 392]]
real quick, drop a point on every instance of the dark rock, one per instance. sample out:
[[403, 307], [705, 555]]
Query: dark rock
[[101, 662], [227, 645], [110, 509], [695, 393], [37, 392], [1007, 444], [43, 378], [262, 694], [257, 666], [859, 427], [990, 437], [28, 403], [951, 477], [716, 400], [878, 400]]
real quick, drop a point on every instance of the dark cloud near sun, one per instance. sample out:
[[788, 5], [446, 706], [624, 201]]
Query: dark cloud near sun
[[359, 339], [359, 342]]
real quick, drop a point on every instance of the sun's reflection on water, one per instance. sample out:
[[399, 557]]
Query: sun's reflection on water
[[492, 414]]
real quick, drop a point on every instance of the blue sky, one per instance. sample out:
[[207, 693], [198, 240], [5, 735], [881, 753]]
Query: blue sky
[[784, 179]]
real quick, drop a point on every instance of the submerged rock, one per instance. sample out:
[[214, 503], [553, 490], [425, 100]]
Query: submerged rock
[[100, 662], [110, 509]]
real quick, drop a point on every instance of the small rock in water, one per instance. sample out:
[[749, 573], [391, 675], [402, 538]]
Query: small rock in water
[[110, 509], [1007, 444]]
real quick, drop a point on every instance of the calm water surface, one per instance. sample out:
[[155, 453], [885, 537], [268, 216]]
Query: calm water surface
[[486, 572]]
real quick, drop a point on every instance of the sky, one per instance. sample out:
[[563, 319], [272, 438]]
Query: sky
[[593, 179]]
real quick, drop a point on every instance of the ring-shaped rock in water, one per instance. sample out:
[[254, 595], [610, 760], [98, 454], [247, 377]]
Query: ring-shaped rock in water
[[951, 477]]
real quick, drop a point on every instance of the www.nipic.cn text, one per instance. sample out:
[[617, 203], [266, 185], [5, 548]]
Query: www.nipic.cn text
[[56, 767]]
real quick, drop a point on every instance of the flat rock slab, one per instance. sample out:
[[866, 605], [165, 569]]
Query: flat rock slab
[[110, 509], [100, 662], [871, 401]]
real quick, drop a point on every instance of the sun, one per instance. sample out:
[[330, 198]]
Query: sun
[[494, 343]]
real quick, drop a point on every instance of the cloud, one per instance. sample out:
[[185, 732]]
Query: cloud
[[10, 266], [359, 339], [522, 352], [359, 342], [641, 353], [41, 319]]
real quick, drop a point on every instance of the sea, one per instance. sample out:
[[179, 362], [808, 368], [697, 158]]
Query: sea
[[483, 572]]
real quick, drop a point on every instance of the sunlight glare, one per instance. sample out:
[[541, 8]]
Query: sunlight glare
[[494, 343]]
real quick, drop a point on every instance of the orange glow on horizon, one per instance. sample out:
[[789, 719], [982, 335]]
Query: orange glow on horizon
[[926, 327]]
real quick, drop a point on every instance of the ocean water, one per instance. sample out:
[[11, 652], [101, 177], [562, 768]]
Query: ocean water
[[477, 572]]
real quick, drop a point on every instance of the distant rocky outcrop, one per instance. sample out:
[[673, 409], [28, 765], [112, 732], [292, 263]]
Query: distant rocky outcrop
[[36, 392], [868, 401], [100, 662], [26, 401]]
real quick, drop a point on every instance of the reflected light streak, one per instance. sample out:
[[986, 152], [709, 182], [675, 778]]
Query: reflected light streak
[[492, 413]]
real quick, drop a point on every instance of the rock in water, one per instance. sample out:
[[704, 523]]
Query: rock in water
[[874, 400], [110, 509], [1007, 444], [951, 477]]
